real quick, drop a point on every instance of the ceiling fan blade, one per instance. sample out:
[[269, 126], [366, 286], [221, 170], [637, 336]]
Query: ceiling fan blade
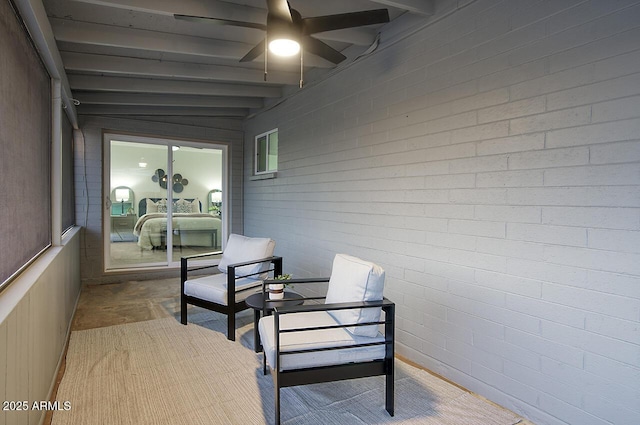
[[344, 20], [319, 48], [216, 21], [254, 53], [279, 10]]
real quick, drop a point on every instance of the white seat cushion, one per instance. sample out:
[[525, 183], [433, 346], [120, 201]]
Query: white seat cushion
[[337, 337], [214, 288], [240, 249], [352, 280]]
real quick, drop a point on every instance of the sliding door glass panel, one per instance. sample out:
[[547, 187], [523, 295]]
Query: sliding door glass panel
[[164, 200], [136, 218], [198, 209]]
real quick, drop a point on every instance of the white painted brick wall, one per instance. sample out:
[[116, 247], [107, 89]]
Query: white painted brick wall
[[490, 163]]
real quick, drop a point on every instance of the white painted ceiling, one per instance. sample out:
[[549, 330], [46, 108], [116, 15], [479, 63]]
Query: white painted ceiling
[[133, 58]]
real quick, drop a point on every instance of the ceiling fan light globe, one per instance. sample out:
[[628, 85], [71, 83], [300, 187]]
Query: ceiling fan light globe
[[284, 47]]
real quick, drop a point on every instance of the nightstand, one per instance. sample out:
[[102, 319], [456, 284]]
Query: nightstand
[[122, 225]]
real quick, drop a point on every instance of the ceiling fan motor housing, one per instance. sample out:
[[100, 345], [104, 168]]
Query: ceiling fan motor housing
[[278, 28]]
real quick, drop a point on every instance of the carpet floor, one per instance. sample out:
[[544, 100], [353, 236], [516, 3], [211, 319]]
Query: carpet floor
[[161, 372], [128, 254]]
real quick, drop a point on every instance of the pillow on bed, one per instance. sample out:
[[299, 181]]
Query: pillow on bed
[[184, 206], [195, 206], [154, 207]]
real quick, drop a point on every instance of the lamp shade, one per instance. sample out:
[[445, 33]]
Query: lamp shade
[[122, 195], [215, 196]]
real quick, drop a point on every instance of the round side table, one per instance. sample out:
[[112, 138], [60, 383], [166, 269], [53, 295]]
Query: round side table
[[258, 304]]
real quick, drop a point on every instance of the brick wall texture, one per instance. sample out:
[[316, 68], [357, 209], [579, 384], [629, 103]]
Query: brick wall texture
[[490, 163]]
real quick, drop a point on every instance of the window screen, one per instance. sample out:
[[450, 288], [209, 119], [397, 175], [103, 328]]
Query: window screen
[[25, 117]]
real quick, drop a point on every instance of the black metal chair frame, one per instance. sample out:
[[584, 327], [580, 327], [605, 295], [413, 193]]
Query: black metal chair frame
[[233, 306], [294, 377]]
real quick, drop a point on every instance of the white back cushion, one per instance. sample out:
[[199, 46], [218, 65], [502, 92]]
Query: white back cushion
[[241, 248], [353, 279]]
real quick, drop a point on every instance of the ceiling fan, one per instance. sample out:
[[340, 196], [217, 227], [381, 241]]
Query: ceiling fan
[[288, 32]]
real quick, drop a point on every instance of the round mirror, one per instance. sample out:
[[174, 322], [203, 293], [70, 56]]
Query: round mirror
[[215, 202], [122, 201]]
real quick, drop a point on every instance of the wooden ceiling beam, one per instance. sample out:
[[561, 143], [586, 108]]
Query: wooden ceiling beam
[[161, 111], [212, 8], [153, 68], [142, 85], [146, 99], [112, 36], [420, 7]]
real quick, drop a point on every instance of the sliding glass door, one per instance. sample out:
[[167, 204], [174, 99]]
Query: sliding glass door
[[163, 199], [197, 175]]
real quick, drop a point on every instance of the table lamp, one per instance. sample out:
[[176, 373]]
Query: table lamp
[[122, 195]]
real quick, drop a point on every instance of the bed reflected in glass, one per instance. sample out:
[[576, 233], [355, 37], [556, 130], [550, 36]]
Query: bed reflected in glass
[[157, 212]]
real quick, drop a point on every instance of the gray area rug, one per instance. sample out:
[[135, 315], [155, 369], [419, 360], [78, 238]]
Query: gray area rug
[[161, 372], [123, 237]]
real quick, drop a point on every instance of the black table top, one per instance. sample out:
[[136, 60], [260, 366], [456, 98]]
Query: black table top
[[256, 301]]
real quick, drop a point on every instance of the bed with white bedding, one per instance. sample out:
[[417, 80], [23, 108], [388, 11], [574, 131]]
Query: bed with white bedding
[[191, 227]]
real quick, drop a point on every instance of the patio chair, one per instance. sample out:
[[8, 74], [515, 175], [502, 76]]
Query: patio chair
[[340, 339], [244, 264]]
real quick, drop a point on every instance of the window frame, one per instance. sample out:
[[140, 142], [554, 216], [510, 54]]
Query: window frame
[[256, 162], [109, 267]]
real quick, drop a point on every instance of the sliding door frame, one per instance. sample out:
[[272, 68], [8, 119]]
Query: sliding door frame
[[105, 203]]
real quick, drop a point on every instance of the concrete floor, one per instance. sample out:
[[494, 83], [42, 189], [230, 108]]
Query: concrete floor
[[126, 302]]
